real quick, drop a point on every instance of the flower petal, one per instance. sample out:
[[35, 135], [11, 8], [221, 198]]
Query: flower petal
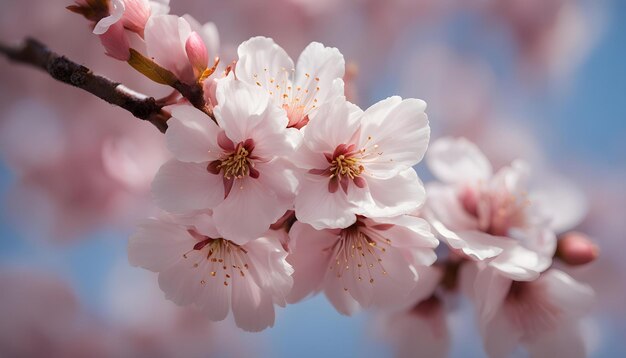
[[248, 211], [310, 258], [264, 64], [157, 246], [241, 107], [192, 135], [458, 161], [316, 206], [395, 135], [400, 194], [180, 187]]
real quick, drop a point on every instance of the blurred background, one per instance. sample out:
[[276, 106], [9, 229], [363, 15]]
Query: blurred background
[[542, 80]]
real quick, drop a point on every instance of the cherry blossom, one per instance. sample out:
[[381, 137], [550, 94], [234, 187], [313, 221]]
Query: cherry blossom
[[299, 90], [354, 162], [542, 314], [235, 169], [487, 216], [370, 263], [197, 266]]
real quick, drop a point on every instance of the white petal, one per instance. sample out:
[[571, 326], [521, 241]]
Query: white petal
[[316, 206], [458, 161], [334, 123], [490, 291], [323, 65], [157, 245], [116, 14], [181, 282], [334, 289], [401, 194], [192, 135], [264, 64], [310, 258], [395, 135], [252, 308], [215, 300], [572, 297], [240, 108], [248, 211], [499, 336], [180, 187], [520, 264]]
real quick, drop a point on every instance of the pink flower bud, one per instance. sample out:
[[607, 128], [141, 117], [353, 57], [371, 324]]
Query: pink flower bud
[[115, 41], [575, 248], [197, 54]]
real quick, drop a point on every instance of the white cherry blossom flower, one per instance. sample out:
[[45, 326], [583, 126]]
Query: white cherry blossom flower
[[354, 162], [299, 90], [197, 266], [372, 263], [235, 168]]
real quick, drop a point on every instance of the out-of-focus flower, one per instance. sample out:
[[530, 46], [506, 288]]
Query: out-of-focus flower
[[356, 162], [371, 263], [541, 315], [298, 90], [196, 266], [233, 169], [75, 177], [42, 317], [487, 216]]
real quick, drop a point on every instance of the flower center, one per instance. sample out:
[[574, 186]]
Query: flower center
[[345, 166], [496, 212], [222, 259], [357, 255], [236, 165]]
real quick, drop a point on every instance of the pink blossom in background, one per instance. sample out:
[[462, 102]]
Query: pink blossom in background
[[487, 216], [542, 315]]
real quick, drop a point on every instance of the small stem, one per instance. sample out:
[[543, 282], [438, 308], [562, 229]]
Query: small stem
[[34, 53]]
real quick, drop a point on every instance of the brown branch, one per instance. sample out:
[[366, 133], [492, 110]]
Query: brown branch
[[34, 53]]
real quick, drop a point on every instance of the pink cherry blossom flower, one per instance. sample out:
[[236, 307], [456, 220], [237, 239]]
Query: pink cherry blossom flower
[[131, 14], [541, 315], [487, 216], [354, 162], [299, 90], [234, 169], [197, 266], [180, 44], [371, 263]]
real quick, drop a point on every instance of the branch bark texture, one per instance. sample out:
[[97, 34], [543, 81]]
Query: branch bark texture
[[34, 53]]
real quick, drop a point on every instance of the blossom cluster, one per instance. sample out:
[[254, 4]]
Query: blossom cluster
[[280, 188]]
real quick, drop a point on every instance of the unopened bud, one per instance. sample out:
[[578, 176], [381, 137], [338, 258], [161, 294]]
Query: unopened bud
[[575, 248], [197, 54]]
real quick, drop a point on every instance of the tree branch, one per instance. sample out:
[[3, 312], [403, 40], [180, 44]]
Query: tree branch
[[34, 53]]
